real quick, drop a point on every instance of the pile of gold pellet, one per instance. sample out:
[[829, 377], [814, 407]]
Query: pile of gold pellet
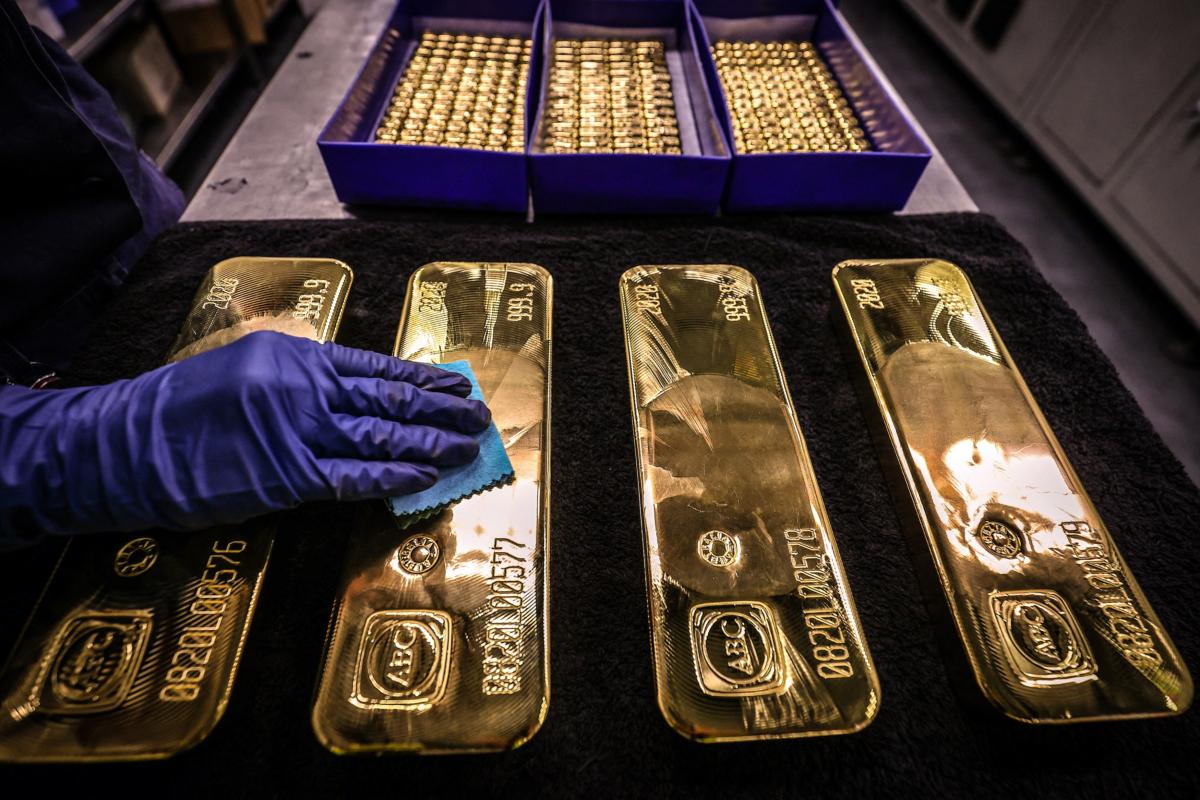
[[783, 99], [609, 96], [461, 90]]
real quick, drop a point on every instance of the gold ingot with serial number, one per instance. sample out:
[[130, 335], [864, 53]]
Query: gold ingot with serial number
[[1053, 624], [755, 633], [132, 651], [439, 641]]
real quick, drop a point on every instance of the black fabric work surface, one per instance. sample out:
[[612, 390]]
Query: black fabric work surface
[[604, 734]]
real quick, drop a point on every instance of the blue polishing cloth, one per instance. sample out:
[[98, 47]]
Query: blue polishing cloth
[[491, 468]]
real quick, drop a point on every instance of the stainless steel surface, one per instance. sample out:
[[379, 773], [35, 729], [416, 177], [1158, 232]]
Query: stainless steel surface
[[272, 169], [102, 30]]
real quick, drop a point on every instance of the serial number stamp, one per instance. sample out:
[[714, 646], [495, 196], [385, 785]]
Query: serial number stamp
[[1126, 626], [503, 649], [822, 611], [210, 605]]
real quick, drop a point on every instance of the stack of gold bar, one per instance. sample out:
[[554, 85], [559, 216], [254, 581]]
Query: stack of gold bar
[[784, 99], [461, 90], [610, 96]]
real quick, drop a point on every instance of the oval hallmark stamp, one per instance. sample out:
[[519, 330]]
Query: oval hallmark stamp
[[719, 549], [418, 554], [135, 557]]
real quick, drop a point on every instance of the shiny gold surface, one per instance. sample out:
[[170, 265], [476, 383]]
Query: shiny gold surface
[[132, 651], [609, 96], [1054, 625], [460, 90], [754, 629], [439, 640], [783, 99]]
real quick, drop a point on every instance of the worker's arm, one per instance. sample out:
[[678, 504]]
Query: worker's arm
[[264, 423]]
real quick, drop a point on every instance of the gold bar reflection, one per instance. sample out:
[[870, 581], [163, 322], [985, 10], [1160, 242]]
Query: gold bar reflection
[[132, 651], [754, 629], [440, 637], [1054, 625]]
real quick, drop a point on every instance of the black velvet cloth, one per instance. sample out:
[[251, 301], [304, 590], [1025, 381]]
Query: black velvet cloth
[[604, 734]]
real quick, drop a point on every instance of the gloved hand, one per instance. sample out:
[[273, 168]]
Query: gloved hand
[[264, 423]]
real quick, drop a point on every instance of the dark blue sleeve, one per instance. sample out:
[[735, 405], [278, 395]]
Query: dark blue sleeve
[[80, 201]]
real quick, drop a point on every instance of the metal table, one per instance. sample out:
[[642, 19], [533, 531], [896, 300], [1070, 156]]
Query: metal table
[[272, 169]]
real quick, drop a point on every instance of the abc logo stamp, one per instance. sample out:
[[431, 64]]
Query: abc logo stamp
[[736, 649], [93, 662], [1041, 638], [404, 660]]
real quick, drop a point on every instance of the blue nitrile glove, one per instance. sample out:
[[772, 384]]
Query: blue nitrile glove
[[264, 423]]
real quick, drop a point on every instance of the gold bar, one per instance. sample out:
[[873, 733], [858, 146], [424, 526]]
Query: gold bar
[[1054, 626], [754, 629], [440, 636], [132, 651]]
